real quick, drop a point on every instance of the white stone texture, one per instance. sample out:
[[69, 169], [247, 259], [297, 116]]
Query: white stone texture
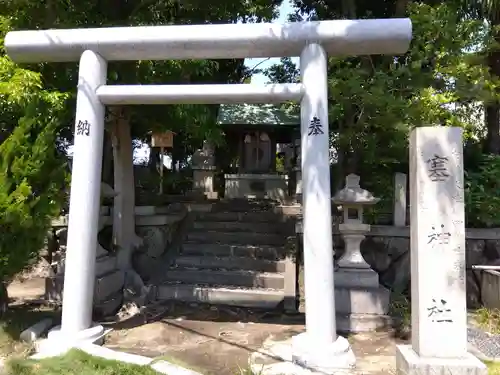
[[85, 197], [410, 363], [438, 243], [399, 208]]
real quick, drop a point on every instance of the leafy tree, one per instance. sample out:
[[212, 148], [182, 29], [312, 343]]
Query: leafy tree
[[489, 11], [32, 168], [37, 103], [376, 100]]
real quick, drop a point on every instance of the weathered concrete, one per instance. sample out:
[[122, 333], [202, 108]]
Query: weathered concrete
[[254, 297]]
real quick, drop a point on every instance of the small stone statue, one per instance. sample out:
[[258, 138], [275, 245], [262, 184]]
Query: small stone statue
[[204, 157]]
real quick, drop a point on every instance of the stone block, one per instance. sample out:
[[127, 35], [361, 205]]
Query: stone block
[[360, 300], [490, 289], [270, 186], [110, 306], [108, 285], [408, 362], [105, 265], [203, 180], [356, 277], [100, 251], [155, 240], [355, 323], [399, 211], [54, 288]]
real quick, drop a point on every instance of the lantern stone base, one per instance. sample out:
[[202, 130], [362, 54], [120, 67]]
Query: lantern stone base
[[362, 304]]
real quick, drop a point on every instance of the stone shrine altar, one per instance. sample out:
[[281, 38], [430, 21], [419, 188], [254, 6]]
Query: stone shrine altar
[[362, 304], [248, 159]]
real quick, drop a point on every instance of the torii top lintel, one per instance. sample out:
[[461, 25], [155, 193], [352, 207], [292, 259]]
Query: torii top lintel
[[340, 37]]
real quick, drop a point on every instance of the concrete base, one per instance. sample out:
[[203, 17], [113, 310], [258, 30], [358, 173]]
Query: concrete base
[[58, 344], [362, 304], [299, 355], [408, 362], [356, 323]]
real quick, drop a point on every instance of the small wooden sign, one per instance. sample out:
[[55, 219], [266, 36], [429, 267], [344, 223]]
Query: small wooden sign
[[165, 139]]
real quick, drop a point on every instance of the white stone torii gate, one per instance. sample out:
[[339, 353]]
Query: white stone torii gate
[[320, 347]]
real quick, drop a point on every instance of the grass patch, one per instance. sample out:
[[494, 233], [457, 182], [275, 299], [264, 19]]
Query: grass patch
[[493, 368], [76, 362], [13, 322], [488, 320]]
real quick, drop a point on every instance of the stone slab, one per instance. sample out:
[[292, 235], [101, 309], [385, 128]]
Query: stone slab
[[110, 306], [408, 362], [356, 323], [400, 205], [438, 304], [108, 284], [356, 277], [232, 238], [230, 263], [362, 300], [253, 298], [54, 287], [105, 265], [269, 280]]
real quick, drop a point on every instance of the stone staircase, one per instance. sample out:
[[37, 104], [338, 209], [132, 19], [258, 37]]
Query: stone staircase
[[234, 254]]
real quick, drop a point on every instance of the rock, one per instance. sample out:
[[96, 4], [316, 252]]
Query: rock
[[474, 253], [473, 288], [397, 276], [376, 254], [155, 240], [492, 250]]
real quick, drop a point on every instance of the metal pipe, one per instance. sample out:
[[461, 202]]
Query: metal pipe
[[481, 267]]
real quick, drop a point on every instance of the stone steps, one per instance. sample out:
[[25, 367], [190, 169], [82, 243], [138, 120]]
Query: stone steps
[[239, 278], [247, 251], [221, 294], [235, 238], [237, 226], [230, 263], [234, 254], [245, 216]]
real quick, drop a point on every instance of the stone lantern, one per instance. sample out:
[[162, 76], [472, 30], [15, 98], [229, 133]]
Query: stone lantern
[[361, 303], [353, 199]]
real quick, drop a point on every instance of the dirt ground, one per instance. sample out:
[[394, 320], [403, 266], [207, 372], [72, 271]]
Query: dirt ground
[[216, 339], [220, 340]]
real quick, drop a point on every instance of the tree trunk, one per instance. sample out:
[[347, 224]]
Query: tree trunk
[[124, 185], [107, 160], [4, 299]]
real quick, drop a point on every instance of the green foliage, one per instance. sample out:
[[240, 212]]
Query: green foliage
[[482, 193], [32, 171], [76, 362], [196, 121], [376, 100], [280, 163]]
